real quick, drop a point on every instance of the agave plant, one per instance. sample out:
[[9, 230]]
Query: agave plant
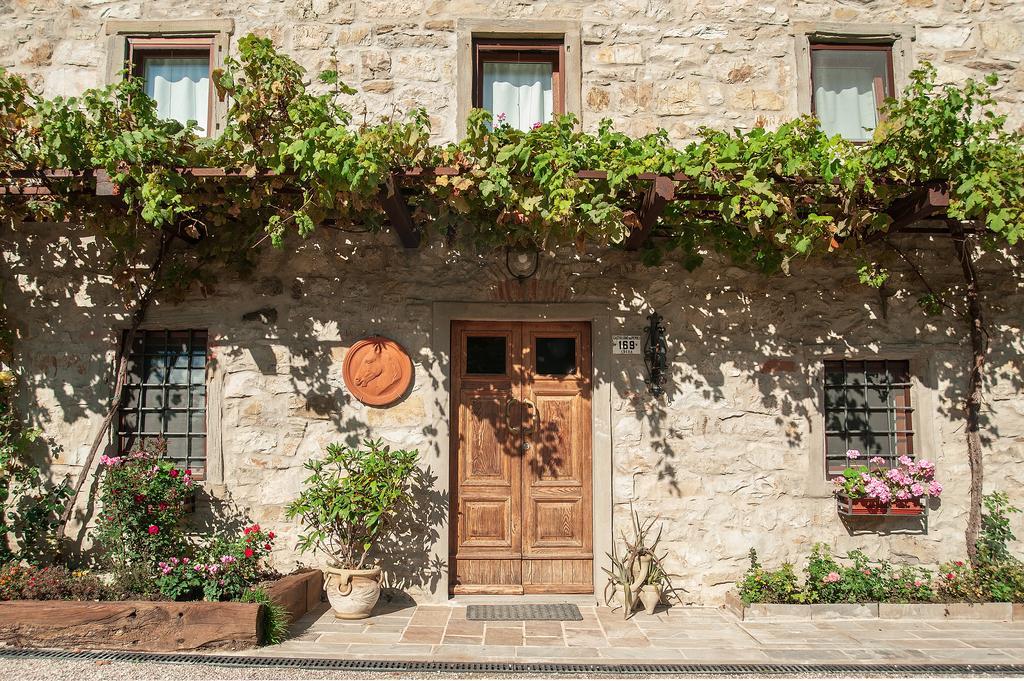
[[638, 565]]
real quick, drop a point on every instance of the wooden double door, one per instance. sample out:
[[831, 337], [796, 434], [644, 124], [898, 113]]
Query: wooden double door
[[521, 504]]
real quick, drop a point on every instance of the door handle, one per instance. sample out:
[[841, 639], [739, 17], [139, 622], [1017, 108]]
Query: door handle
[[533, 416], [508, 417]]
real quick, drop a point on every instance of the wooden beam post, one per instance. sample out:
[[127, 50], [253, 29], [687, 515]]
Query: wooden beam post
[[657, 196], [398, 213], [921, 204]]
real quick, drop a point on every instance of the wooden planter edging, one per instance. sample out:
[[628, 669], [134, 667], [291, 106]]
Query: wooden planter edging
[[152, 626], [981, 612]]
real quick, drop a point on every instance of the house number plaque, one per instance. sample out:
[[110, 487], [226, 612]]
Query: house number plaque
[[626, 345], [377, 371]]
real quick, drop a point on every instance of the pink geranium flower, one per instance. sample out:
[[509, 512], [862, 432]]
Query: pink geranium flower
[[831, 578], [153, 529]]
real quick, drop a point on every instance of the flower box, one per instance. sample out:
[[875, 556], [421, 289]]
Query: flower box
[[154, 626], [872, 507]]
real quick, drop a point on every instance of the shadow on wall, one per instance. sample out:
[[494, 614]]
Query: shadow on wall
[[744, 349]]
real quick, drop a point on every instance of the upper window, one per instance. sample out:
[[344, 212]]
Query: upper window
[[519, 81], [867, 408], [849, 84], [165, 395], [176, 72]]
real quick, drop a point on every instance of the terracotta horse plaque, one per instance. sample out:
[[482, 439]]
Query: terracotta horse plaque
[[377, 371]]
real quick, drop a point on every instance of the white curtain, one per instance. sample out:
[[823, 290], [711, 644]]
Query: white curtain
[[519, 91], [844, 91], [181, 88]]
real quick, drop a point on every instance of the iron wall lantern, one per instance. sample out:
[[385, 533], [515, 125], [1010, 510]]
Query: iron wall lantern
[[521, 263], [656, 355]]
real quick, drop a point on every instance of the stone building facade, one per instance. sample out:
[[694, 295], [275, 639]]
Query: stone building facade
[[731, 457]]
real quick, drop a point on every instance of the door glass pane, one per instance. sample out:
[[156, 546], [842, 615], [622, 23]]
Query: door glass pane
[[556, 356], [485, 355]]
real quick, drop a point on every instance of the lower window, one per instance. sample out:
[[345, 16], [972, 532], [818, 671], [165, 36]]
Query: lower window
[[165, 396], [868, 409]]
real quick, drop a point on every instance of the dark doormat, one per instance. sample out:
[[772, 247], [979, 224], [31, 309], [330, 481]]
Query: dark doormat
[[564, 612]]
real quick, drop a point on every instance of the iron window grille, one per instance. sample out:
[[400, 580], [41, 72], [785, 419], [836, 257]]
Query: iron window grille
[[165, 395], [867, 408]]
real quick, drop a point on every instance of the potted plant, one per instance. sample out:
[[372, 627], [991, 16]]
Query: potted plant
[[650, 592], [638, 575], [877, 489], [349, 503]]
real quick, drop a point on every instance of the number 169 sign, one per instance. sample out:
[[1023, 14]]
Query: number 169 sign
[[625, 345]]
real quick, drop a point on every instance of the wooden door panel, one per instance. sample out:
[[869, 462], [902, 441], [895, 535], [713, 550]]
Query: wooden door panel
[[554, 455], [485, 523], [558, 517], [562, 576], [557, 523], [482, 456], [522, 518]]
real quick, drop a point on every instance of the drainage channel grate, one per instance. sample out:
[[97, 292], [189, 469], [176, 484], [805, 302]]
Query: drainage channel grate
[[443, 668], [565, 612]]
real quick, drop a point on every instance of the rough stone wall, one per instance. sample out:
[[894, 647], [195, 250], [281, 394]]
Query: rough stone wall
[[677, 64], [729, 458]]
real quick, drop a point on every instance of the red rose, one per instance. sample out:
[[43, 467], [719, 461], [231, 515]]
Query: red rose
[[153, 529], [188, 471], [247, 530], [270, 536], [266, 546], [173, 472], [163, 506], [959, 563], [248, 553], [256, 527], [138, 498], [950, 575]]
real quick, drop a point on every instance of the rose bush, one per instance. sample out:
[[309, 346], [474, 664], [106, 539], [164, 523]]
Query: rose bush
[[221, 570], [143, 497]]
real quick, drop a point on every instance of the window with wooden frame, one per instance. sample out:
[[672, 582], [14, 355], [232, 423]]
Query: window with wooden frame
[[849, 84], [177, 75], [165, 395], [867, 408], [521, 82]]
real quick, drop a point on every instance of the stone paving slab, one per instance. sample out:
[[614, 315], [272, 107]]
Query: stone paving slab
[[707, 635]]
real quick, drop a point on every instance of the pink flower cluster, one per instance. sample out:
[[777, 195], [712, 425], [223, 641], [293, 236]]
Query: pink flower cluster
[[168, 566], [909, 480], [831, 578]]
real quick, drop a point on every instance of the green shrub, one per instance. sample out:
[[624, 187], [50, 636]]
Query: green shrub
[[768, 586], [995, 535], [826, 580]]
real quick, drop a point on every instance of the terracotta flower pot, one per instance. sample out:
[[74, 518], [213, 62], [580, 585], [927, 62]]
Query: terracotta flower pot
[[650, 596], [352, 593]]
